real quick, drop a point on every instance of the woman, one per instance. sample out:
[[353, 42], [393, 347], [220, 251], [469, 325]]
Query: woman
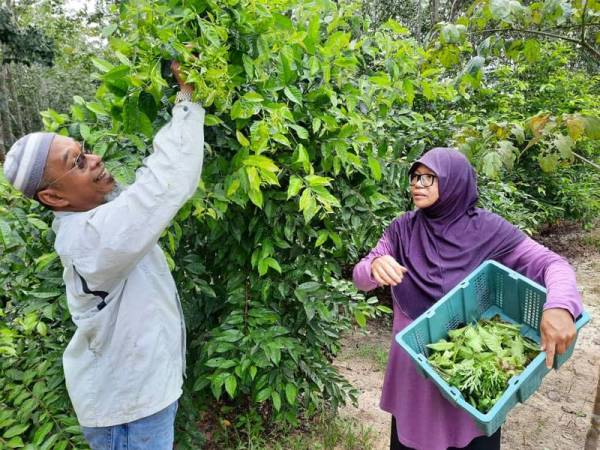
[[425, 253]]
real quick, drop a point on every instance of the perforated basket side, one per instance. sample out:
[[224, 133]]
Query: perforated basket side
[[532, 305], [483, 295], [418, 342], [499, 289]]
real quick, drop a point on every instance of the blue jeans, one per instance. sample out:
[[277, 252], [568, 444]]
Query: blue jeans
[[155, 432]]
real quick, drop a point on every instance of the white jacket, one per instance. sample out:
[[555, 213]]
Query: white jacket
[[127, 357]]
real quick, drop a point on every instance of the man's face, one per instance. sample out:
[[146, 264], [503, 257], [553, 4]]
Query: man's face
[[74, 181]]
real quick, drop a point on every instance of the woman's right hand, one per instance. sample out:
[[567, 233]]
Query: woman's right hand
[[386, 271]]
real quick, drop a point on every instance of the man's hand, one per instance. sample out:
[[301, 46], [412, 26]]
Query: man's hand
[[387, 271], [176, 69], [558, 332]]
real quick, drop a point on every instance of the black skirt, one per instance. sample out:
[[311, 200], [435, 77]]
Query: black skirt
[[479, 443]]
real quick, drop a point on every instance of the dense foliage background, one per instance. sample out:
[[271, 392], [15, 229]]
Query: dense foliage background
[[315, 112]]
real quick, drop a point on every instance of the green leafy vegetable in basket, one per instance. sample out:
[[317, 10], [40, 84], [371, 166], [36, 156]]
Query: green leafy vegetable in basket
[[479, 359]]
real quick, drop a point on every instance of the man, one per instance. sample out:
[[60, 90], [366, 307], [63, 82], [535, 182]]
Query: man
[[124, 365]]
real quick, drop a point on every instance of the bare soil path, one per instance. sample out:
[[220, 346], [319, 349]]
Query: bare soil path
[[556, 417]]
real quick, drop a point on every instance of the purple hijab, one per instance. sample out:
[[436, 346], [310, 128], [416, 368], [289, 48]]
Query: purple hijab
[[442, 244]]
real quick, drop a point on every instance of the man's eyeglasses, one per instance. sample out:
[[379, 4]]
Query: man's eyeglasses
[[426, 179], [79, 162]]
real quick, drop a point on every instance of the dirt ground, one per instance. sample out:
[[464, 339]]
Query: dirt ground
[[557, 416]]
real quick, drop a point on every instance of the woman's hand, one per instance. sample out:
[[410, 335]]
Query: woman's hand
[[558, 332], [386, 271]]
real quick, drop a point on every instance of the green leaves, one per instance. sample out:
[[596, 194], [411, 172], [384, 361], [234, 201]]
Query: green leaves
[[531, 50], [592, 127], [264, 264], [101, 64], [441, 346], [480, 359], [261, 162], [492, 163], [231, 385], [375, 168], [294, 94], [554, 137], [242, 139], [243, 109], [452, 34], [276, 400], [500, 9], [35, 409], [116, 80], [564, 144], [540, 21], [15, 430], [134, 119], [290, 136], [308, 205], [294, 186], [264, 394], [291, 393]]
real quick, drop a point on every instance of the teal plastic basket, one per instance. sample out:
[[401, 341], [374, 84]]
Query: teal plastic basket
[[489, 290]]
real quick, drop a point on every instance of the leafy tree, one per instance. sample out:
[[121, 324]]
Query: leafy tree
[[576, 22], [313, 118], [28, 84], [23, 44]]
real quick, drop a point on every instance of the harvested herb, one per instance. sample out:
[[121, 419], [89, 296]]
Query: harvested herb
[[479, 359]]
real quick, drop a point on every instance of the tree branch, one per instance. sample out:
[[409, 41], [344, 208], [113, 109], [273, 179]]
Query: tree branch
[[584, 44], [570, 27], [591, 163]]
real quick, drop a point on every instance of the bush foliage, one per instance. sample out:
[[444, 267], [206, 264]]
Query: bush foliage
[[313, 118]]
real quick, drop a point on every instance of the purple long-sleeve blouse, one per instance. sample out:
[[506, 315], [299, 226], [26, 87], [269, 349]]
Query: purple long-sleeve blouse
[[426, 420]]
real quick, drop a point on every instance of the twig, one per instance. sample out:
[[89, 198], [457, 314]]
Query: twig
[[591, 163], [584, 44], [570, 27]]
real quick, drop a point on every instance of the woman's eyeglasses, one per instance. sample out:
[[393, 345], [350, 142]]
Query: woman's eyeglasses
[[426, 179]]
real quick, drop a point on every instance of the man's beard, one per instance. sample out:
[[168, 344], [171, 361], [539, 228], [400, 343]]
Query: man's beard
[[114, 193]]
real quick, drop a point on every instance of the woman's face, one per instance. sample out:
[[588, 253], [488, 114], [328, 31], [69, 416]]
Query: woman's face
[[424, 186]]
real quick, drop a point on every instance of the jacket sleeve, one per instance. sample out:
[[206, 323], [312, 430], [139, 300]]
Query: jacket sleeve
[[118, 234], [549, 269]]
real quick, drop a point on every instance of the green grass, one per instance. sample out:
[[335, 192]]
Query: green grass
[[375, 352], [325, 432], [592, 241], [328, 434]]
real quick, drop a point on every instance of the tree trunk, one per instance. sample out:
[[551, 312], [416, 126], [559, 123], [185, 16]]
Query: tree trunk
[[15, 105], [592, 438], [419, 26], [5, 117], [26, 93], [454, 9], [3, 137], [37, 108], [435, 12]]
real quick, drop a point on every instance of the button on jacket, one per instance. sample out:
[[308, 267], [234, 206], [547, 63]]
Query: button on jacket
[[127, 357]]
